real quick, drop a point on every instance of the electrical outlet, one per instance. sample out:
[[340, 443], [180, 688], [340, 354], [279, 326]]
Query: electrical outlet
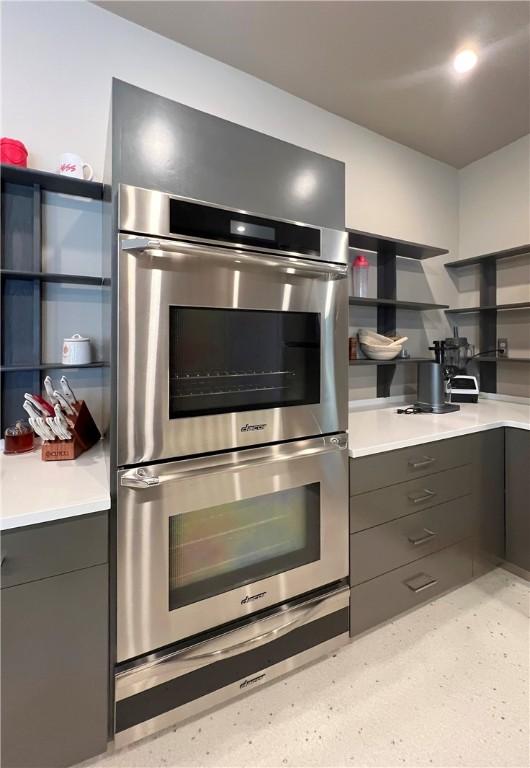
[[502, 347]]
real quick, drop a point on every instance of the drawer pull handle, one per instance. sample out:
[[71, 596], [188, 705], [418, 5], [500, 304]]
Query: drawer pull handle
[[426, 536], [422, 462], [427, 494], [2, 561], [426, 585]]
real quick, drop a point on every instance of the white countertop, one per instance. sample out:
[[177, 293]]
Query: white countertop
[[34, 491], [378, 430]]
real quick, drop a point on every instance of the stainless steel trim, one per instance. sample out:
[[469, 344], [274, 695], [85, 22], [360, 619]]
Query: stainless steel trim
[[146, 211], [161, 668], [422, 463], [288, 263], [258, 457], [223, 695], [427, 494], [144, 620], [427, 585], [422, 539]]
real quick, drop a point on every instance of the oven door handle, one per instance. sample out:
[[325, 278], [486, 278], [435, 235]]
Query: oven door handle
[[142, 479], [302, 616], [159, 248], [158, 670]]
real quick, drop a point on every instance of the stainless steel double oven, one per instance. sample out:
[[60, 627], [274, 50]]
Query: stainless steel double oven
[[232, 412]]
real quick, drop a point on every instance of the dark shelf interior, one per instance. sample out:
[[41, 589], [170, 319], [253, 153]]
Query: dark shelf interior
[[414, 305], [51, 182], [54, 277], [23, 279], [520, 250], [367, 241], [395, 361], [48, 366], [488, 307]]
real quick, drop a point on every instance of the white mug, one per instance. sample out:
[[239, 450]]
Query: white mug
[[72, 165], [76, 350]]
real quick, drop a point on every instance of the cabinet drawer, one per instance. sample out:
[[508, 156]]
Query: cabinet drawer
[[383, 469], [40, 551], [376, 507], [380, 599], [389, 546]]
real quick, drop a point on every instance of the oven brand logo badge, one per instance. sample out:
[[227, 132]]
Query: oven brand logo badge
[[251, 598], [253, 427], [252, 681]]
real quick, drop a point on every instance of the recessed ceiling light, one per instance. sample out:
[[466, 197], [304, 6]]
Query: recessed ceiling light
[[240, 228], [465, 60]]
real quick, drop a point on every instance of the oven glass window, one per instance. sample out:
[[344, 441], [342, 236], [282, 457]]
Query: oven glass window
[[220, 548], [225, 360]]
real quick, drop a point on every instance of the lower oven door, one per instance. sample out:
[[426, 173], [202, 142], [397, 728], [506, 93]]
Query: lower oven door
[[203, 542]]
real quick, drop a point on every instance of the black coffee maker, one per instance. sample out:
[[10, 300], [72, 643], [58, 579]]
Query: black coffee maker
[[431, 386]]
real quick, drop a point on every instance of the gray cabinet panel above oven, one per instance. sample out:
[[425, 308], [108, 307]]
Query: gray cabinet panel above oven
[[163, 145]]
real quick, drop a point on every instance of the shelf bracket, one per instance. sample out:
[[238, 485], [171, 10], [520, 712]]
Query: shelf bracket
[[386, 315]]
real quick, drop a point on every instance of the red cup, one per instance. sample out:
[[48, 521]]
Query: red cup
[[13, 152]]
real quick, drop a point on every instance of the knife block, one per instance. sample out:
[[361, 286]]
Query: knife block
[[85, 434]]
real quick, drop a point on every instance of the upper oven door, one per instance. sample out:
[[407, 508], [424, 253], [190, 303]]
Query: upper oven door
[[205, 541], [220, 348]]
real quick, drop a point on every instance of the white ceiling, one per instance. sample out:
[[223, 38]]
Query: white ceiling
[[384, 65]]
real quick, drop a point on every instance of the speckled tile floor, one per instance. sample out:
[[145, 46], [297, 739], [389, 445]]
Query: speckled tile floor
[[447, 685]]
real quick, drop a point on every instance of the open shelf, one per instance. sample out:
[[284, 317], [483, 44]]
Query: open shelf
[[414, 305], [54, 277], [51, 182], [48, 367], [520, 250], [501, 359], [367, 241], [395, 361], [486, 307]]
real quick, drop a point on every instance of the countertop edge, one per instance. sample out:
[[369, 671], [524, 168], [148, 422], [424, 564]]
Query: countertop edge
[[51, 515], [431, 438]]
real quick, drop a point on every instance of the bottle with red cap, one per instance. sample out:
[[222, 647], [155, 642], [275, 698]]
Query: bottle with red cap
[[360, 276]]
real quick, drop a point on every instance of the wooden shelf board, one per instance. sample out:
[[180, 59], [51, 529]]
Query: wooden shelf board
[[367, 241], [51, 182], [48, 366], [395, 361], [488, 307], [54, 277], [520, 250], [420, 306]]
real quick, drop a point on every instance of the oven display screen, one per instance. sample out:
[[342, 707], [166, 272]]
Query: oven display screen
[[256, 231], [190, 219]]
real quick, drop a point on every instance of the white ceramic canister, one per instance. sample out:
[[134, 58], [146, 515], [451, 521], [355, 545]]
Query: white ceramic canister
[[76, 350]]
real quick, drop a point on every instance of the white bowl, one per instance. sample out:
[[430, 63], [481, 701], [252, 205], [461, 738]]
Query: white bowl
[[366, 336], [380, 352]]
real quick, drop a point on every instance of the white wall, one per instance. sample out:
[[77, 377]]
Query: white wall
[[57, 98], [495, 200], [494, 215]]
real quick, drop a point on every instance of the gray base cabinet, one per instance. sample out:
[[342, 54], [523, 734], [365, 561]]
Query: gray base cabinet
[[423, 520], [488, 464], [54, 634], [518, 498], [408, 587]]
